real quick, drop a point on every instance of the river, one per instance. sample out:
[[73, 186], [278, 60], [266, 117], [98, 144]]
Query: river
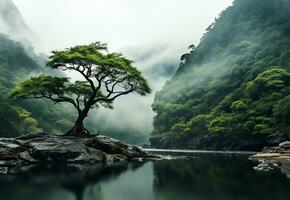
[[181, 176]]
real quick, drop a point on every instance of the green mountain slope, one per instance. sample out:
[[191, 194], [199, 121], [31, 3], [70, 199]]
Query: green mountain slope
[[27, 116], [233, 90]]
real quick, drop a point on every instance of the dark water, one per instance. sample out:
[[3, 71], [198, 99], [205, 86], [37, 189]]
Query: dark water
[[202, 176]]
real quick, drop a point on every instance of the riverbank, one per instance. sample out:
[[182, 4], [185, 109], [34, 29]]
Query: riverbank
[[274, 156], [218, 142], [281, 152]]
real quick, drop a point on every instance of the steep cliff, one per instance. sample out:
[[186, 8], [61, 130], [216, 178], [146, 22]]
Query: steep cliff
[[232, 91]]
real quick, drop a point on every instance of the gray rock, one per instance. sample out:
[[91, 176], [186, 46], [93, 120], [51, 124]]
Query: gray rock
[[285, 145], [47, 148], [25, 155], [3, 170]]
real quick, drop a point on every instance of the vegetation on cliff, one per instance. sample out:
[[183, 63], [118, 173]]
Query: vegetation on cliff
[[234, 84]]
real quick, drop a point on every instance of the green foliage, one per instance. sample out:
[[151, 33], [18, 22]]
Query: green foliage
[[179, 127], [10, 121], [95, 57], [109, 70], [269, 81], [282, 109], [239, 105], [16, 56], [64, 124], [199, 124], [28, 116], [31, 125], [236, 81], [38, 86], [106, 76]]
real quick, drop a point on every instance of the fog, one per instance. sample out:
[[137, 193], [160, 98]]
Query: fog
[[132, 115], [153, 33], [12, 23], [121, 23]]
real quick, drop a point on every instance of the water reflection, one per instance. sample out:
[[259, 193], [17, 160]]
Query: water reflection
[[217, 177], [59, 182], [201, 177]]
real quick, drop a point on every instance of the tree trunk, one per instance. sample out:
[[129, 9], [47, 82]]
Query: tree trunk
[[78, 129]]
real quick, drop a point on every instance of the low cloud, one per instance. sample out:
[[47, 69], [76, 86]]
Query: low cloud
[[132, 115]]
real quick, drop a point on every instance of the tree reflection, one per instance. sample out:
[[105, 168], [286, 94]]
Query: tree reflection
[[73, 178]]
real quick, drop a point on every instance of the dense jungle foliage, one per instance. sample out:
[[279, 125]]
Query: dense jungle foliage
[[236, 82], [27, 116]]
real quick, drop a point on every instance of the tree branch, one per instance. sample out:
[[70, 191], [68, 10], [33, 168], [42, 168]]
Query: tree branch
[[59, 99]]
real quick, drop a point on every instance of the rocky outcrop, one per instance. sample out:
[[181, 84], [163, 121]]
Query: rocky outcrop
[[278, 156], [47, 148], [278, 153]]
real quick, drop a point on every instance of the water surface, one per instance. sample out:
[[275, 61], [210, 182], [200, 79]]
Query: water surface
[[201, 176]]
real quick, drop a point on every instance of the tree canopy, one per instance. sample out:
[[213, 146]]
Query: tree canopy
[[104, 77]]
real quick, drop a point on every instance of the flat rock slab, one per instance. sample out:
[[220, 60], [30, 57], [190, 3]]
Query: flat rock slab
[[48, 148]]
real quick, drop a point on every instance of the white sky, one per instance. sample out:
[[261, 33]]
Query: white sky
[[120, 23]]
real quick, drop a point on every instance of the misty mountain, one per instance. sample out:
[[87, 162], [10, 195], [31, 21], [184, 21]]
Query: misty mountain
[[18, 61], [27, 116], [233, 90], [12, 23]]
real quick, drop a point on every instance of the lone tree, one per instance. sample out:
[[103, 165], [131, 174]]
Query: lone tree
[[106, 76]]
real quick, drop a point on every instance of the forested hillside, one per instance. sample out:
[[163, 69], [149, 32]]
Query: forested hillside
[[27, 116], [232, 91]]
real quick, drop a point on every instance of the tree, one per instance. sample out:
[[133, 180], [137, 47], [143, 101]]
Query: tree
[[106, 76]]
